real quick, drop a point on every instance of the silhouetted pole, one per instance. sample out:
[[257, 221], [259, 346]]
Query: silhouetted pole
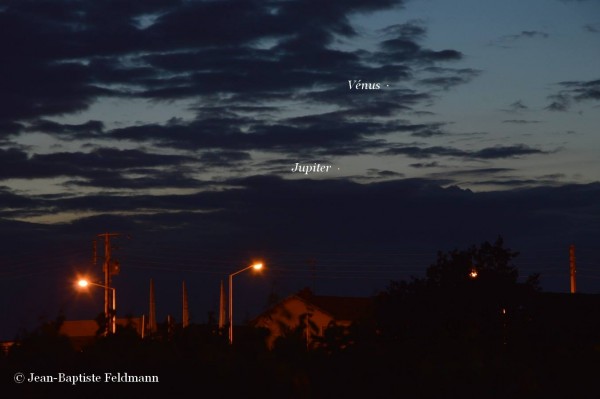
[[114, 310], [170, 326], [222, 306], [107, 273], [112, 325], [152, 315], [185, 319], [573, 269], [230, 308], [256, 266]]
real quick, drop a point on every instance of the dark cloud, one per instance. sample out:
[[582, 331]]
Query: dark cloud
[[152, 180], [560, 102], [112, 158], [384, 103], [83, 130], [513, 183], [507, 152], [372, 172], [550, 180], [506, 40], [224, 158], [574, 91], [333, 133], [592, 28], [504, 178], [560, 105], [473, 172], [516, 107], [277, 164], [450, 77], [497, 152], [101, 163], [520, 121], [8, 128], [421, 165], [424, 152], [583, 90], [425, 130], [37, 90], [401, 49], [412, 30], [530, 34], [255, 211], [10, 200], [259, 192], [553, 176], [444, 82]]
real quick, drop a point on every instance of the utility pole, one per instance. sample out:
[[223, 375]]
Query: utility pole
[[152, 315], [573, 268], [95, 256], [185, 319], [222, 307], [109, 268]]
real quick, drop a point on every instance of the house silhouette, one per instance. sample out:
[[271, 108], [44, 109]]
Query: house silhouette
[[315, 313]]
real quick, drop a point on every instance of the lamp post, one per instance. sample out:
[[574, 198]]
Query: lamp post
[[113, 320], [256, 266]]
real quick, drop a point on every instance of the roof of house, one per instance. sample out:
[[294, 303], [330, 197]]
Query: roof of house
[[340, 307]]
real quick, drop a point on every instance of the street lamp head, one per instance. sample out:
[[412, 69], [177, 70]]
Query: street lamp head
[[257, 266], [473, 273], [83, 283]]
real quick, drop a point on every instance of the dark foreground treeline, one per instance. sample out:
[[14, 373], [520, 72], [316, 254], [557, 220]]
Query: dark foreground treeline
[[448, 335]]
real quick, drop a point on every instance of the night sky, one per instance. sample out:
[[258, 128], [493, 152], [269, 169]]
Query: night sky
[[178, 124]]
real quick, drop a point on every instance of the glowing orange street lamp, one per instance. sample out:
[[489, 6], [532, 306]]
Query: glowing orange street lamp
[[255, 266], [473, 273], [113, 322]]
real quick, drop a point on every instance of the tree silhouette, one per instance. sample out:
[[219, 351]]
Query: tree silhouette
[[44, 348], [490, 265], [466, 295]]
